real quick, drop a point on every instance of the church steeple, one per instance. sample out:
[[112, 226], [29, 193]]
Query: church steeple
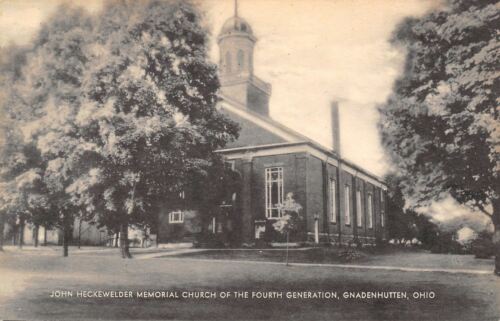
[[236, 46], [236, 43]]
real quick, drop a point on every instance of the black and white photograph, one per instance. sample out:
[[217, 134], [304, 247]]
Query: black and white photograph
[[250, 160]]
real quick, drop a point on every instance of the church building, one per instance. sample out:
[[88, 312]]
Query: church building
[[341, 202]]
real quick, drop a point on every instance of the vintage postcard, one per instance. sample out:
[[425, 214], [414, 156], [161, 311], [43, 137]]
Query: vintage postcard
[[249, 160]]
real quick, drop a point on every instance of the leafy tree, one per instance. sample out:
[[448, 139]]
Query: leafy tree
[[149, 113], [482, 246], [12, 160], [43, 102], [427, 231], [440, 125], [225, 184], [22, 193], [400, 221], [290, 221]]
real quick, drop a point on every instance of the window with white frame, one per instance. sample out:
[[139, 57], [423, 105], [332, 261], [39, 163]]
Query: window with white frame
[[176, 217], [231, 164], [370, 210], [274, 191], [359, 209], [347, 201], [333, 201]]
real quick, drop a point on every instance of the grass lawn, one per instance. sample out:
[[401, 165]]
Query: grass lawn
[[389, 257], [27, 281], [313, 255]]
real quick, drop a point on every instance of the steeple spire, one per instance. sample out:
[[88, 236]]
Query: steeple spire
[[236, 44]]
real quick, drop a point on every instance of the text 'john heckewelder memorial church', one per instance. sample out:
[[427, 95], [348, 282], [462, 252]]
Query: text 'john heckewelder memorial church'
[[340, 201]]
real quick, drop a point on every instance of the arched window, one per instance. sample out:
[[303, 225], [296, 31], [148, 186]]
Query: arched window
[[228, 62], [241, 59]]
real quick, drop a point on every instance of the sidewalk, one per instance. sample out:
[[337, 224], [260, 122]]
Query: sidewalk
[[74, 250]]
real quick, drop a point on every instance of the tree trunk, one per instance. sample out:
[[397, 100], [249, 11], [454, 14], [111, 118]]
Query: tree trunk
[[117, 235], [287, 239], [44, 236], [65, 240], [35, 235], [79, 232], [124, 241], [21, 233], [66, 233], [496, 236], [2, 224]]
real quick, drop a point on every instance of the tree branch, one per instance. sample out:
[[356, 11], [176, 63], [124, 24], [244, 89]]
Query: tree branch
[[481, 209], [484, 211]]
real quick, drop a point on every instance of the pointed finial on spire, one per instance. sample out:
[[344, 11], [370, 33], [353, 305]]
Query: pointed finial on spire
[[235, 8]]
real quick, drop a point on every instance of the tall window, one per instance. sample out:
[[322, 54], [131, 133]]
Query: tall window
[[370, 210], [241, 59], [359, 209], [176, 217], [274, 191], [347, 200], [333, 201], [228, 61]]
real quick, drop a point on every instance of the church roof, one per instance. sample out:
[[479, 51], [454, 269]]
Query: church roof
[[281, 136], [235, 25]]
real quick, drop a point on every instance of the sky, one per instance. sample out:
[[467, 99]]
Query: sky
[[312, 52], [315, 52]]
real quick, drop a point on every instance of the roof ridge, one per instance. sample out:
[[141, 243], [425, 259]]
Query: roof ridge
[[302, 138], [274, 122]]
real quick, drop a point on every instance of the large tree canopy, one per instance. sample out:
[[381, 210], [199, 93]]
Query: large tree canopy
[[149, 112], [44, 94], [440, 125], [120, 109]]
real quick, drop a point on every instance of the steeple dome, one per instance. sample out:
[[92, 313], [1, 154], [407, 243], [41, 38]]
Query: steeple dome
[[235, 25], [236, 43], [238, 82]]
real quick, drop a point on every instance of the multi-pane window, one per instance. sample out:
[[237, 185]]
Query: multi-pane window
[[347, 205], [359, 209], [274, 191], [333, 201], [370, 210], [176, 217]]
